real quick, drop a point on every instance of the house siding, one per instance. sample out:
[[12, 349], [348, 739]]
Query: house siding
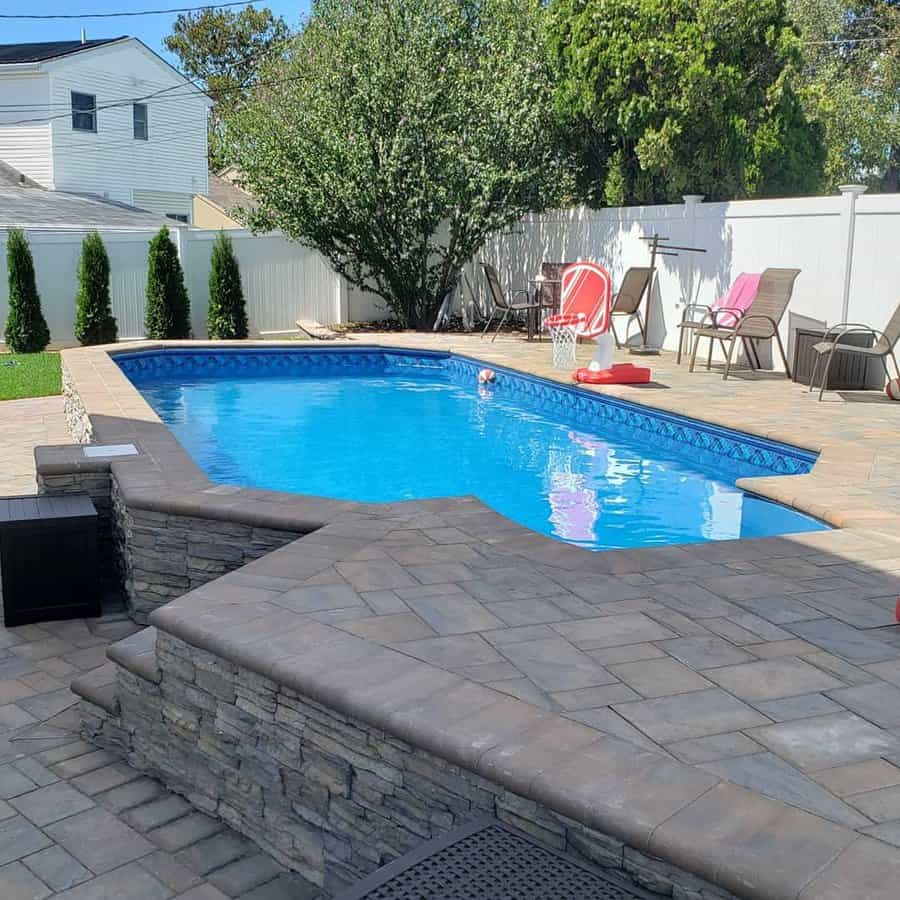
[[166, 203], [111, 162], [26, 146]]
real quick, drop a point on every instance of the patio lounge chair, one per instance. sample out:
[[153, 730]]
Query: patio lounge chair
[[881, 349], [627, 301], [504, 300], [739, 297], [759, 323]]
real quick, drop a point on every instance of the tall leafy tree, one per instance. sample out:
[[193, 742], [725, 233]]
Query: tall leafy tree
[[224, 49], [168, 311], [665, 97], [399, 135], [226, 317], [94, 320], [26, 328], [850, 82]]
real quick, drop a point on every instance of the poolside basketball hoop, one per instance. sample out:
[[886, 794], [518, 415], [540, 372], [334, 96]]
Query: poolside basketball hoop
[[585, 290], [564, 335]]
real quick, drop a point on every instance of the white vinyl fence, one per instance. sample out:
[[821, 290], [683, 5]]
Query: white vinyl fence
[[283, 281], [847, 247]]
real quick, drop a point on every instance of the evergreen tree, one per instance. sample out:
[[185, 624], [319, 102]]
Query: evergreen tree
[[26, 328], [168, 312], [227, 314], [94, 321]]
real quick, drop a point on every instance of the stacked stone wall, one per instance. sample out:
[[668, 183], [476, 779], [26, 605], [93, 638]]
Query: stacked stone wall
[[324, 793]]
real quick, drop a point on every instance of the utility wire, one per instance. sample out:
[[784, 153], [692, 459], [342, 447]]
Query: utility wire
[[119, 15], [155, 95]]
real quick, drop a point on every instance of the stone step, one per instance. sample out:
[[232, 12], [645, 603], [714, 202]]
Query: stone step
[[98, 687], [137, 654]]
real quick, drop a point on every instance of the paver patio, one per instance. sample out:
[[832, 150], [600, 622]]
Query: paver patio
[[772, 664], [78, 823]]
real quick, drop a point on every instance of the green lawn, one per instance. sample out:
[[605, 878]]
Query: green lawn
[[29, 375]]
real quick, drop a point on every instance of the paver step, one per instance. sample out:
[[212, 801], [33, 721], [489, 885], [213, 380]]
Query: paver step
[[102, 695], [137, 654]]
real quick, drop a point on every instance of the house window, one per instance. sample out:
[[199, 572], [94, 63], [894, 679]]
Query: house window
[[84, 112], [139, 116], [178, 217]]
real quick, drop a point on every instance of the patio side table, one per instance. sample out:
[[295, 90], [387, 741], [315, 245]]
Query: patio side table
[[48, 559], [544, 288]]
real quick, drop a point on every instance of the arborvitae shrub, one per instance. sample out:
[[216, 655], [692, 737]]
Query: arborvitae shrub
[[227, 314], [26, 328], [94, 321], [168, 312]]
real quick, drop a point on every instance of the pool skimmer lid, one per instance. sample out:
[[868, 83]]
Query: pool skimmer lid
[[96, 451]]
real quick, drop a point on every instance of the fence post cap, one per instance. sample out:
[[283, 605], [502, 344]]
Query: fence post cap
[[853, 188]]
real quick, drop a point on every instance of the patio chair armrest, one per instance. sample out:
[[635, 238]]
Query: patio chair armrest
[[732, 311], [746, 320], [691, 308], [842, 327], [858, 329]]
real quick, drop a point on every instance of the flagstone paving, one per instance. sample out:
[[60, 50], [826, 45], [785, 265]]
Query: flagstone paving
[[772, 664], [77, 823]]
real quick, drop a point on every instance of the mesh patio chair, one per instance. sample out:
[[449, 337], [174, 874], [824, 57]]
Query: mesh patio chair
[[759, 323], [882, 347], [695, 315], [627, 302], [504, 300]]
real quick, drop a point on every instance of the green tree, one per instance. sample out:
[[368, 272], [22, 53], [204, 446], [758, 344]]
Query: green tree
[[399, 136], [26, 328], [168, 310], [226, 317], [94, 321], [666, 97], [850, 82], [224, 50]]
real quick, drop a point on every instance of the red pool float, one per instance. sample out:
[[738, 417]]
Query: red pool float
[[620, 373]]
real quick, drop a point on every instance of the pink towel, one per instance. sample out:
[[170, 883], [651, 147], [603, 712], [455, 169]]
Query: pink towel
[[740, 295]]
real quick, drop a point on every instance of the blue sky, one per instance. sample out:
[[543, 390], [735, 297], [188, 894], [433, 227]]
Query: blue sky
[[150, 29]]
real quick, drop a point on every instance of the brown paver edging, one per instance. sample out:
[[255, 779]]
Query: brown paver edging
[[746, 842]]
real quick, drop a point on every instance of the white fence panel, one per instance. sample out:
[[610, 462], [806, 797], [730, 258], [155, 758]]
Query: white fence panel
[[809, 233], [56, 255], [283, 281]]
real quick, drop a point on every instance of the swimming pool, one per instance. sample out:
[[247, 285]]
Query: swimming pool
[[381, 425]]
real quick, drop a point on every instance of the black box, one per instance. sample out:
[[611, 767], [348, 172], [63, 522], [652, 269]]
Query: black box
[[849, 371], [48, 559]]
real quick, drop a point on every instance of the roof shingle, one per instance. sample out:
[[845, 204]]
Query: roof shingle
[[44, 50]]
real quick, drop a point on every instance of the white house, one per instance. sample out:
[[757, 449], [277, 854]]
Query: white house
[[106, 117]]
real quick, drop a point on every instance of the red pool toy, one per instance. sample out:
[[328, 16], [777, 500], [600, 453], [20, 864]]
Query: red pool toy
[[620, 373]]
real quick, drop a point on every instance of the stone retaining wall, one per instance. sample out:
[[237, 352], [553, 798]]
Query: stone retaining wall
[[154, 556], [326, 794], [165, 555]]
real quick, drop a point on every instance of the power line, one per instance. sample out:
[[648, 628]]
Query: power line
[[128, 101], [119, 15]]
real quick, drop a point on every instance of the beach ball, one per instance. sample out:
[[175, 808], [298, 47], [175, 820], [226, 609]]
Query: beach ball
[[487, 376], [892, 389]]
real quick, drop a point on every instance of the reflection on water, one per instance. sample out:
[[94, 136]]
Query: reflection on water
[[392, 437]]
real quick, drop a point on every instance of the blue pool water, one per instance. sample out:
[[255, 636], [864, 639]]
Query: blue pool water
[[376, 426]]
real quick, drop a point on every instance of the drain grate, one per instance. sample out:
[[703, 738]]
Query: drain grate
[[487, 860]]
